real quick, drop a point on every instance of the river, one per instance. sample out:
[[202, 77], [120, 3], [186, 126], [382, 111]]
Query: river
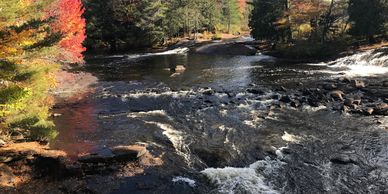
[[216, 130]]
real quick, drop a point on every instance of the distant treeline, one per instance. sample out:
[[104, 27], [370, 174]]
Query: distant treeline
[[318, 20], [123, 24]]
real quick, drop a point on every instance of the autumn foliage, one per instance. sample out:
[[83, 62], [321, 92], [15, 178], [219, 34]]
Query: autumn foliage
[[71, 24], [36, 37]]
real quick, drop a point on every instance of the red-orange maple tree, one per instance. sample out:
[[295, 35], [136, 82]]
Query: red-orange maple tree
[[71, 24]]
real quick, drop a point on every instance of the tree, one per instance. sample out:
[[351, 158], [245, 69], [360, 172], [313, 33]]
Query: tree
[[366, 17], [70, 23], [231, 13], [150, 17], [263, 19], [32, 44]]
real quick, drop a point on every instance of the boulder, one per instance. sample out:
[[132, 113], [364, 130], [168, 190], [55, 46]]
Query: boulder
[[100, 155], [343, 159], [337, 95], [381, 109], [368, 111], [349, 102], [132, 152]]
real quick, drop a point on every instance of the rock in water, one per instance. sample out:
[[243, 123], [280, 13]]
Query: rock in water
[[180, 69], [337, 94], [369, 111], [381, 109], [129, 152], [358, 84], [101, 155]]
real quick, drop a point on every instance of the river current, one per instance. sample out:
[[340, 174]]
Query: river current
[[216, 130]]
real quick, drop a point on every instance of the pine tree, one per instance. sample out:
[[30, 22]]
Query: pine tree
[[263, 20], [366, 17]]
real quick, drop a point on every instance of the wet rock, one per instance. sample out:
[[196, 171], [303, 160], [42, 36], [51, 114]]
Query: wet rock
[[255, 91], [368, 111], [343, 159], [285, 99], [101, 155], [349, 102], [329, 86], [208, 92], [337, 95], [381, 109], [358, 84], [345, 109], [295, 103], [129, 152]]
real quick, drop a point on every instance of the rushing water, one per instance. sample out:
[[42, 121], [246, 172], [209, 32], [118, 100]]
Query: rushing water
[[214, 127]]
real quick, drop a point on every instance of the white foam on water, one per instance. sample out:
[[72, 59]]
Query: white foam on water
[[176, 51], [155, 94], [291, 138], [250, 180], [190, 182], [153, 112], [367, 63], [176, 137]]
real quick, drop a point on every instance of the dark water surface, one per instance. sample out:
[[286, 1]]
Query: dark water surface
[[215, 129]]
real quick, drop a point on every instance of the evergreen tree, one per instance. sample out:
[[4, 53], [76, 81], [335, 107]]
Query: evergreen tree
[[150, 17], [366, 17], [231, 14], [263, 19]]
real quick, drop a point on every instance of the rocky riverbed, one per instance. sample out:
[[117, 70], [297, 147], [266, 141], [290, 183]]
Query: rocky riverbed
[[221, 124]]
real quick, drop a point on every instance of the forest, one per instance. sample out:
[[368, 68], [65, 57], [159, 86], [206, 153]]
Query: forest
[[291, 93]]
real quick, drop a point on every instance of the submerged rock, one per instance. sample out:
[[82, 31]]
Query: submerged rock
[[343, 159]]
